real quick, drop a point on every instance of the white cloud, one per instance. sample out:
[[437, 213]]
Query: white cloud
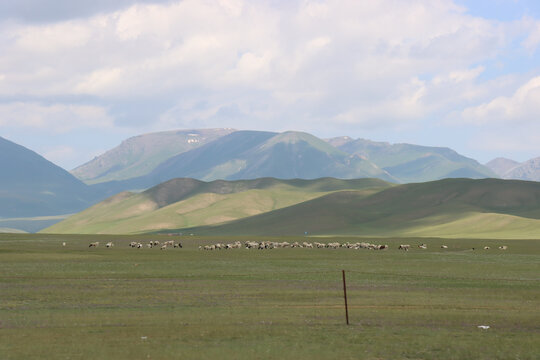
[[533, 39], [459, 76], [326, 46], [56, 118], [53, 38], [522, 107], [250, 64]]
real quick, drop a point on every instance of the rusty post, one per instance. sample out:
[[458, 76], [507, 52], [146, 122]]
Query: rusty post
[[345, 297]]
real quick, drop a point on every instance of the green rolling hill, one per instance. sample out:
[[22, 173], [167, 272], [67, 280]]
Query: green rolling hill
[[184, 202], [486, 208]]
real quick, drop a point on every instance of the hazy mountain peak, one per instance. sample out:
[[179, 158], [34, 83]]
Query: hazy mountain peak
[[30, 185], [140, 154], [528, 170], [295, 137], [501, 166]]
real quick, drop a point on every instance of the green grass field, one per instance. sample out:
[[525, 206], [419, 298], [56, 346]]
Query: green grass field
[[76, 302]]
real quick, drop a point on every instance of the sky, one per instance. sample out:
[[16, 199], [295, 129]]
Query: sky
[[79, 77]]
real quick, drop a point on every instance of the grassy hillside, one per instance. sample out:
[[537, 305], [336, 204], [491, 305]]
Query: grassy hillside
[[181, 203], [488, 208]]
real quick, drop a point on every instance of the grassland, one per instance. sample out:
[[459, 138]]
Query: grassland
[[83, 303]]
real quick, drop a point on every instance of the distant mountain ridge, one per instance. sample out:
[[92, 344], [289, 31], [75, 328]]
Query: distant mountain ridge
[[413, 163], [501, 166], [528, 170], [30, 185], [510, 169], [253, 154], [139, 155]]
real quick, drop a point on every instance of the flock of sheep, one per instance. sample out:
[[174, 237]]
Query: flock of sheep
[[138, 245], [333, 245], [262, 245], [156, 243], [274, 245], [424, 246]]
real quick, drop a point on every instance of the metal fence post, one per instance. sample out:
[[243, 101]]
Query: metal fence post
[[345, 297]]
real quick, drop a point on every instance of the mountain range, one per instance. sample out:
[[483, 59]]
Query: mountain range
[[292, 154], [413, 163], [510, 169], [31, 186], [141, 154]]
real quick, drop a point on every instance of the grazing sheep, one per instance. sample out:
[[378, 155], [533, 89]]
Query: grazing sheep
[[163, 247], [64, 243], [503, 247], [422, 246], [251, 244], [404, 247], [94, 244], [139, 246], [109, 244], [444, 247], [486, 247], [133, 244]]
